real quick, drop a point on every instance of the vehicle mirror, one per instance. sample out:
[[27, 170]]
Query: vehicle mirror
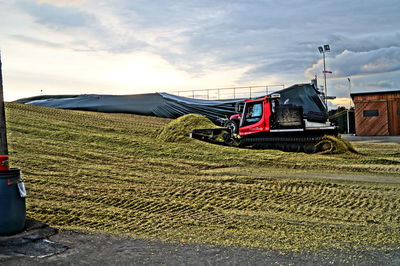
[[239, 107]]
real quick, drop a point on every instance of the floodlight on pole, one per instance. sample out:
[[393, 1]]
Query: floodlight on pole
[[323, 50]]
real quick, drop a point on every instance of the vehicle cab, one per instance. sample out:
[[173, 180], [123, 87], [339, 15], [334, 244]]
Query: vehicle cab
[[255, 116]]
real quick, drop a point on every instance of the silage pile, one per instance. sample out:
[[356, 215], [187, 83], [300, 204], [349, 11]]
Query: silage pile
[[337, 145], [178, 130]]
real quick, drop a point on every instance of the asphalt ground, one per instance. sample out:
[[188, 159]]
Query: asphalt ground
[[86, 248], [373, 139]]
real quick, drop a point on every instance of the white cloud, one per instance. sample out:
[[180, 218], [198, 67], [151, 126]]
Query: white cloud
[[239, 41], [63, 2], [57, 17], [348, 63]]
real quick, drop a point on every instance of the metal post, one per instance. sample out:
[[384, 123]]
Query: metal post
[[3, 135], [250, 92]]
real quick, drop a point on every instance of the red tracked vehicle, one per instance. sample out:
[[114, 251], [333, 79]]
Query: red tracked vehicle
[[276, 121]]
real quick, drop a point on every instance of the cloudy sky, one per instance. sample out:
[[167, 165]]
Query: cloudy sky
[[136, 46]]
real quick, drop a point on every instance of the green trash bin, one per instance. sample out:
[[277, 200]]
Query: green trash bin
[[12, 202]]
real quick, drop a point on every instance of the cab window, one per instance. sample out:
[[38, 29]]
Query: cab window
[[253, 113]]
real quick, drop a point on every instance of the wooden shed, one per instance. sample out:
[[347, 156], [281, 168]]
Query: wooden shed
[[377, 113]]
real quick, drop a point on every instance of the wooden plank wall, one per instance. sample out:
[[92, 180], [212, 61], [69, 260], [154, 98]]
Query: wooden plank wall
[[375, 125], [394, 117], [388, 121]]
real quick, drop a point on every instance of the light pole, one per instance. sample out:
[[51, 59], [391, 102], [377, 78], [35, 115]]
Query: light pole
[[348, 111], [322, 50], [349, 90]]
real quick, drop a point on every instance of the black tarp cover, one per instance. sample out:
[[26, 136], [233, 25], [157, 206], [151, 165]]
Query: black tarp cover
[[307, 96], [153, 104], [172, 106]]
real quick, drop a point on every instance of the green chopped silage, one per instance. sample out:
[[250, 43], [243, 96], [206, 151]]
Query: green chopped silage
[[178, 130], [337, 145]]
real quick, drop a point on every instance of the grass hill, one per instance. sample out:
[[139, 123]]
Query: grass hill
[[110, 173]]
